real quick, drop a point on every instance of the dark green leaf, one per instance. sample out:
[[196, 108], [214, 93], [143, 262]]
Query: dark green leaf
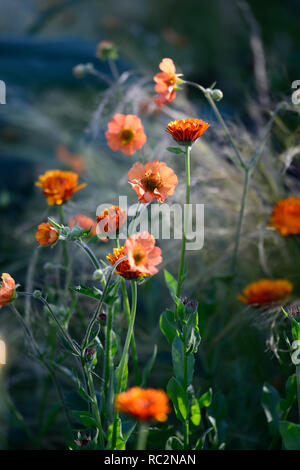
[[173, 443], [168, 325], [270, 402], [92, 292], [179, 398], [171, 283], [290, 434], [175, 150]]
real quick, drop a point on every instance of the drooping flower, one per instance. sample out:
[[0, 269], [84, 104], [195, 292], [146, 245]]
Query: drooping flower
[[124, 269], [59, 186], [153, 180], [286, 216], [142, 253], [266, 291], [167, 82], [144, 404], [46, 234], [125, 133], [74, 161], [186, 131], [83, 222], [111, 219], [7, 289]]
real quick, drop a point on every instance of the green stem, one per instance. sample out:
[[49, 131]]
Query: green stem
[[95, 408], [133, 345], [89, 252], [240, 221], [298, 389], [123, 361], [186, 422], [186, 216], [142, 436], [65, 250], [108, 350]]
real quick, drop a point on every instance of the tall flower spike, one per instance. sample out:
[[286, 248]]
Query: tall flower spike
[[186, 131], [153, 180], [59, 186], [125, 133], [167, 82]]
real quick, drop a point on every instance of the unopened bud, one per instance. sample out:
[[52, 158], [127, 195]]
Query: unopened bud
[[102, 318], [98, 275], [107, 50], [37, 294], [216, 95]]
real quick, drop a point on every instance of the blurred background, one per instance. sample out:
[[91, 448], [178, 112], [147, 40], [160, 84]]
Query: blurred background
[[53, 119]]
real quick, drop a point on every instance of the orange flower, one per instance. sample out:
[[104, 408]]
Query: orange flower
[[7, 289], [74, 161], [125, 133], [286, 216], [59, 186], [154, 180], [144, 404], [83, 222], [124, 268], [266, 291], [166, 82], [186, 131], [111, 219], [46, 234], [142, 253]]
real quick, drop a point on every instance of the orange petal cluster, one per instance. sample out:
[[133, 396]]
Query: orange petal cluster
[[186, 131], [83, 222], [154, 180], [142, 253], [166, 82], [46, 234], [144, 404], [124, 269], [125, 133], [111, 219], [59, 186], [266, 291], [286, 216], [7, 289]]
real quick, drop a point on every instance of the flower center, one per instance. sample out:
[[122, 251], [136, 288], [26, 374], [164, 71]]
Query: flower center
[[139, 256], [127, 135], [172, 80], [151, 181]]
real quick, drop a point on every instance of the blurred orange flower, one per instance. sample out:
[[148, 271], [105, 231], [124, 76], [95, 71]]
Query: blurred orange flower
[[76, 162], [153, 180], [265, 291], [46, 234], [186, 131], [83, 222], [125, 133], [144, 404], [59, 186], [142, 253], [166, 82], [111, 219], [286, 216], [173, 37], [7, 289], [124, 268]]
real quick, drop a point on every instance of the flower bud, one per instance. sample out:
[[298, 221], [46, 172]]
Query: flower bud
[[107, 50], [37, 294], [79, 71], [98, 275], [216, 95], [102, 318]]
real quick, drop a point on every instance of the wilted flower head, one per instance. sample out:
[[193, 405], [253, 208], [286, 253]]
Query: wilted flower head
[[7, 289], [125, 133], [83, 222], [286, 216], [142, 253], [46, 234], [153, 180], [266, 291], [166, 82], [59, 186], [111, 219], [106, 50], [186, 131], [144, 404]]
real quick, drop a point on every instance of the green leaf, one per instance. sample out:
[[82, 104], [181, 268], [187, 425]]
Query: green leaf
[[148, 367], [290, 434], [295, 329], [176, 150], [168, 325], [179, 398], [85, 418], [192, 333], [291, 395], [124, 378], [93, 292], [178, 361], [270, 402], [195, 412], [171, 283], [205, 399], [120, 444], [173, 443], [201, 441], [111, 294]]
